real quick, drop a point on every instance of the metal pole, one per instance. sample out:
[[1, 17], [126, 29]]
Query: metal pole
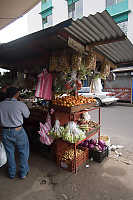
[[131, 91], [99, 124], [75, 160]]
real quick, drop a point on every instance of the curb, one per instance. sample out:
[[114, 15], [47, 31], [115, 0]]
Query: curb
[[125, 104]]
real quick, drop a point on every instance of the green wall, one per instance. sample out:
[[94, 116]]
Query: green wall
[[119, 11], [46, 8], [71, 1]]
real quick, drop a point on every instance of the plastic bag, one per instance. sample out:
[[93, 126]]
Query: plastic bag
[[97, 86], [56, 131], [57, 125], [44, 129], [3, 157], [72, 133], [86, 116]]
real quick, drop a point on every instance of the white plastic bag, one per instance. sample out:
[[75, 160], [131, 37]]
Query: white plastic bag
[[56, 128], [97, 86], [86, 116], [72, 133], [3, 157]]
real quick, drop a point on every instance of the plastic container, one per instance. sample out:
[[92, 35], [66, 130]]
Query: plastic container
[[106, 139], [69, 165], [99, 156]]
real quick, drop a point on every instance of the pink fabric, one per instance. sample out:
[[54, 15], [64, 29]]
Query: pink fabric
[[44, 85], [44, 129]]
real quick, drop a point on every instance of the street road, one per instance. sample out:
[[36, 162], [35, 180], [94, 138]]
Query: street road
[[117, 123]]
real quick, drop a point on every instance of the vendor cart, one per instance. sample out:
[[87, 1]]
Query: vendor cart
[[70, 52]]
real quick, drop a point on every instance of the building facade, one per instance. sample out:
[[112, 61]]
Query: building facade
[[51, 12], [56, 11], [34, 19]]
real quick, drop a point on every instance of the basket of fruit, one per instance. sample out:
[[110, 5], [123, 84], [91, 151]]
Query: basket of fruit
[[98, 150], [72, 103], [99, 156], [88, 126], [61, 146], [67, 159]]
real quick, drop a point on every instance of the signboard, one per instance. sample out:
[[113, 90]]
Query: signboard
[[124, 94]]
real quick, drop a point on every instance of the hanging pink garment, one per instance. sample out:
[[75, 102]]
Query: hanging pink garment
[[44, 85]]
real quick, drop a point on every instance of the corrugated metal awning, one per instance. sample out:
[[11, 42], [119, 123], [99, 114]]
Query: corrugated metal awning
[[123, 69], [97, 31], [104, 35], [118, 52]]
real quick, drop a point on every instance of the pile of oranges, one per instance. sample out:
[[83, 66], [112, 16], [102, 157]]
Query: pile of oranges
[[69, 101]]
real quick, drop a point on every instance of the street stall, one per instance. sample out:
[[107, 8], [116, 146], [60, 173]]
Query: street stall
[[52, 65]]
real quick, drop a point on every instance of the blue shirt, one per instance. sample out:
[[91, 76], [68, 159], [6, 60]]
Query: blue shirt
[[12, 113]]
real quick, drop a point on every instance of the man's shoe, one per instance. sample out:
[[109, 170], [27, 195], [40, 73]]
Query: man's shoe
[[23, 177], [11, 177]]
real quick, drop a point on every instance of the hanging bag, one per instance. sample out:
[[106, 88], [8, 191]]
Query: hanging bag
[[3, 157], [44, 129]]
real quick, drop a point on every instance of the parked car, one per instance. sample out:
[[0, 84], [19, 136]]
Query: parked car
[[102, 98]]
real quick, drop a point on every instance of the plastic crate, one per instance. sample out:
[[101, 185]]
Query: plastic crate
[[99, 156], [73, 108], [62, 146], [68, 164]]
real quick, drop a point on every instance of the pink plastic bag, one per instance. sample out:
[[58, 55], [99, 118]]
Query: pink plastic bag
[[44, 129]]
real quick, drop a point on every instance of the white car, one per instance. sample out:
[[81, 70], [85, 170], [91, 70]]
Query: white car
[[101, 97]]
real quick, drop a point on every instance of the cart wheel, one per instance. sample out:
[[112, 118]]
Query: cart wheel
[[98, 102]]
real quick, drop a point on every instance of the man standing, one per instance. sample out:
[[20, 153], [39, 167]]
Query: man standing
[[14, 136]]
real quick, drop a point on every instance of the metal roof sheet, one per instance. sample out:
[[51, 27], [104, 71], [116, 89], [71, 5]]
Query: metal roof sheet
[[95, 28], [98, 31], [101, 32], [123, 69], [118, 52]]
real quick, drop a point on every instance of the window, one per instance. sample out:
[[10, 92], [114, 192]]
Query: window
[[71, 11], [112, 2], [45, 20], [118, 1], [123, 26]]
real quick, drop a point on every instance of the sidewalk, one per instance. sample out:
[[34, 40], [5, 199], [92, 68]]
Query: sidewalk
[[109, 180]]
